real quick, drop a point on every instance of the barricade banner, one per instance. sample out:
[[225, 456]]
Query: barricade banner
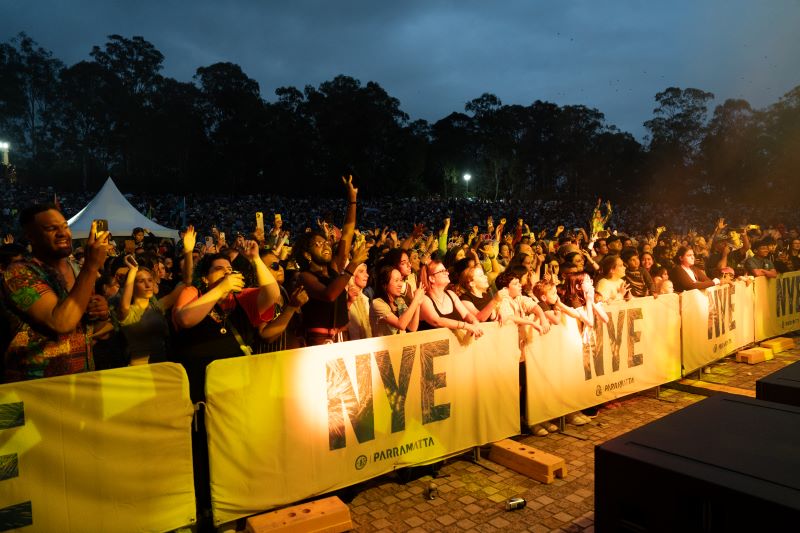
[[101, 451], [715, 323], [638, 349], [777, 305], [289, 425]]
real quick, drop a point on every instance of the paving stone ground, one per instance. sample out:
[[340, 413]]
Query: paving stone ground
[[471, 498]]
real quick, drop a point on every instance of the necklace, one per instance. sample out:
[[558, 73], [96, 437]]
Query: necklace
[[221, 317], [438, 300]]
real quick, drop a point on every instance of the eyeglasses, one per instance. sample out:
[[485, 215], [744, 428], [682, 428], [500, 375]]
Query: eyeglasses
[[275, 266], [440, 271]]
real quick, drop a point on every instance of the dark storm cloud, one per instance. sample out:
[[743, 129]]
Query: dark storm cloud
[[435, 56]]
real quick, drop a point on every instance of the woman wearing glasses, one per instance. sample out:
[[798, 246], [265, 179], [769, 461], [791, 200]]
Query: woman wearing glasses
[[277, 334], [441, 308]]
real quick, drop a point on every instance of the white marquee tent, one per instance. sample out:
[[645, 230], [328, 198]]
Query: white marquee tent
[[122, 217]]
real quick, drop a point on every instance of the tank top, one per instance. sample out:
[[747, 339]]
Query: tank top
[[329, 315], [197, 346], [452, 315], [479, 303]]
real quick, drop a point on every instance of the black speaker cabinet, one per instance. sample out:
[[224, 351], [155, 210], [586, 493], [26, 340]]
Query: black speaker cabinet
[[782, 386], [727, 463]]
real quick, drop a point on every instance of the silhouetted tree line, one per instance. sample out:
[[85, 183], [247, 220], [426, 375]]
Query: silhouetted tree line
[[115, 114]]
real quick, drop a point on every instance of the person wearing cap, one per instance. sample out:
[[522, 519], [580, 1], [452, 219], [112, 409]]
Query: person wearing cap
[[761, 264], [724, 255]]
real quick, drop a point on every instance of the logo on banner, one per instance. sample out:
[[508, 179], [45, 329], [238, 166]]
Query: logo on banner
[[720, 311], [624, 327], [359, 408], [787, 297]]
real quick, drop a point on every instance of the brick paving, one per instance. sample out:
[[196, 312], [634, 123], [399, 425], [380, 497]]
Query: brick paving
[[471, 498]]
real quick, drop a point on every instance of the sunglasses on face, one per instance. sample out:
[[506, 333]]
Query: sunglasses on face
[[274, 266]]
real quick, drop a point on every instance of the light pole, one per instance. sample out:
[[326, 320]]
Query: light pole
[[4, 146], [467, 177]]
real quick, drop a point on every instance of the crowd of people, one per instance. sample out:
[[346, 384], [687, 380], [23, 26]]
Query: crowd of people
[[69, 307], [284, 286]]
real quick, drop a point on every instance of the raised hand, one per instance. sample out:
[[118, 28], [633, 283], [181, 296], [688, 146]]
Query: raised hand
[[250, 250], [360, 253], [233, 282], [419, 294], [96, 248], [623, 288], [130, 262], [189, 238], [352, 192]]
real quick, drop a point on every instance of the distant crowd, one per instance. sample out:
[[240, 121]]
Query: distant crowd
[[235, 212], [253, 274]]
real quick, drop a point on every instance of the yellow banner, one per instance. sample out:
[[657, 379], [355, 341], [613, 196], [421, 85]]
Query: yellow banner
[[102, 451], [716, 322], [777, 305], [293, 424], [638, 349]]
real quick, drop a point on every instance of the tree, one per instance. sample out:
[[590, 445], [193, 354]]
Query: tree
[[676, 132], [135, 65], [85, 120], [358, 130], [234, 118], [29, 80], [452, 152], [780, 142], [495, 130], [730, 152]]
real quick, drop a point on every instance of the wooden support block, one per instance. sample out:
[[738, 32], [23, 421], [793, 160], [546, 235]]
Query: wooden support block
[[754, 355], [529, 461], [328, 515], [778, 344]]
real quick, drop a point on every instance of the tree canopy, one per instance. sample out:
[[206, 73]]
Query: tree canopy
[[116, 114]]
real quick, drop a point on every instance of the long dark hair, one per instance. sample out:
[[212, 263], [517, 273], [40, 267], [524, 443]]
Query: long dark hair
[[607, 264], [681, 252], [382, 279], [573, 289]]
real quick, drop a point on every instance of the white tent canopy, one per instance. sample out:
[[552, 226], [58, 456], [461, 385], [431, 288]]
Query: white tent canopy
[[122, 217]]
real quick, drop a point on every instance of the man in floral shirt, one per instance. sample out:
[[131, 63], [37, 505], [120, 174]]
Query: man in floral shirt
[[52, 299]]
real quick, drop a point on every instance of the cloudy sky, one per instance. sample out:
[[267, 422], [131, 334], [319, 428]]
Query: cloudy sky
[[434, 56]]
